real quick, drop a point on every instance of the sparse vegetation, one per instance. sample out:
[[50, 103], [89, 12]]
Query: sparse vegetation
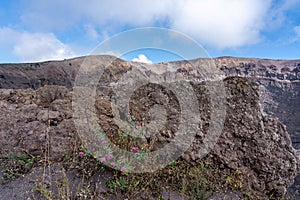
[[192, 181], [15, 165]]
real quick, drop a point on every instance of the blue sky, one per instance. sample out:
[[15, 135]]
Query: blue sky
[[38, 30]]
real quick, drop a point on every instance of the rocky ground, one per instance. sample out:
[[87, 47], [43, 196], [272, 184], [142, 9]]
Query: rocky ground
[[254, 157]]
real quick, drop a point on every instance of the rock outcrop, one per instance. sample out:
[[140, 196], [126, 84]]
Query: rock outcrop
[[280, 85], [36, 117], [279, 81]]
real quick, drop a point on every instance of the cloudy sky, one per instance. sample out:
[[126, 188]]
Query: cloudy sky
[[38, 30]]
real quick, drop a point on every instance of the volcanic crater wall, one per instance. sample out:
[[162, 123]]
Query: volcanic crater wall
[[252, 142]]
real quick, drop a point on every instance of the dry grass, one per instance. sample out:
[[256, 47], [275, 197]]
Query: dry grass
[[94, 180]]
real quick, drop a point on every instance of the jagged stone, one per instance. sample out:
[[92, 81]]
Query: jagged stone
[[252, 142]]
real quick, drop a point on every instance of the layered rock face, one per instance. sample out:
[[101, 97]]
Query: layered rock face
[[36, 116], [279, 81], [280, 85]]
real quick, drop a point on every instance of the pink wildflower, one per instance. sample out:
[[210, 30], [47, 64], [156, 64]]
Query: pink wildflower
[[103, 142], [147, 146], [112, 163], [81, 153], [122, 169], [148, 133], [138, 126], [109, 156], [134, 132], [102, 160], [134, 149]]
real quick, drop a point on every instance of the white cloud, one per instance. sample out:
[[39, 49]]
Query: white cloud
[[91, 32], [142, 58], [296, 36], [277, 14], [297, 31], [32, 47], [222, 23], [105, 12], [217, 23], [8, 36]]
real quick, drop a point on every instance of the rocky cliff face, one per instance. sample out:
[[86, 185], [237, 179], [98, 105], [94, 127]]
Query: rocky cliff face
[[280, 83], [36, 114]]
